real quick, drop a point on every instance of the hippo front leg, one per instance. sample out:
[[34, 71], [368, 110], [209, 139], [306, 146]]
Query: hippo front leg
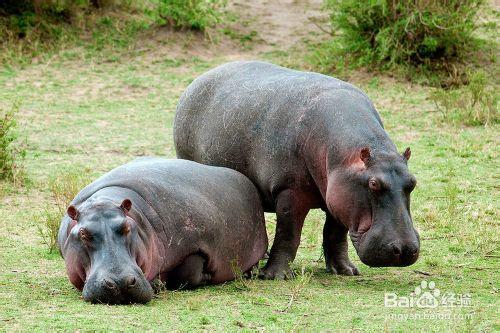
[[290, 217], [335, 248]]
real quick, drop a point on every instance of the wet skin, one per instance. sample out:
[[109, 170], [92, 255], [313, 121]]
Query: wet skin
[[306, 141], [184, 223]]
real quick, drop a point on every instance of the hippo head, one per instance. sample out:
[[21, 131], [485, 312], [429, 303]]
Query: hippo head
[[370, 195], [105, 255]]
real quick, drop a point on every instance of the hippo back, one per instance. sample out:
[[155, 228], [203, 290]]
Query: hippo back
[[255, 117]]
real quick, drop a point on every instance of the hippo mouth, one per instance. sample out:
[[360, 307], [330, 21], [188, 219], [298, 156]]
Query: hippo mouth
[[358, 233], [376, 249], [117, 285], [357, 238], [115, 291]]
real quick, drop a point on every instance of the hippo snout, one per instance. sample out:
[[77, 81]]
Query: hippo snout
[[376, 249], [128, 288], [403, 253]]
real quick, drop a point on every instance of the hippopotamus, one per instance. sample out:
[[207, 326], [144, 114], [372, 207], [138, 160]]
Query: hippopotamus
[[307, 141], [178, 221]]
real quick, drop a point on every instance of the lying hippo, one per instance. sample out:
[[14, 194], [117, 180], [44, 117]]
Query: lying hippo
[[306, 141], [182, 222]]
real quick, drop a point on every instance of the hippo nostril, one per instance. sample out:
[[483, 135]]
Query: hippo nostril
[[130, 282], [109, 283], [413, 250], [396, 250]]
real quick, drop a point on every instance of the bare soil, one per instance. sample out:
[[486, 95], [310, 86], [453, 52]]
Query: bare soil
[[279, 26]]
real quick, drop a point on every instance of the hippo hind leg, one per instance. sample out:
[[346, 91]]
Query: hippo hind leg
[[189, 274]]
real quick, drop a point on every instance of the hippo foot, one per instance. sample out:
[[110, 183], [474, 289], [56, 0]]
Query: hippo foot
[[276, 272], [342, 268]]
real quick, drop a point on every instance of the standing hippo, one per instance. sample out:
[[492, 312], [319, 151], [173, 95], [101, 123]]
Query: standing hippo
[[182, 222], [306, 141]]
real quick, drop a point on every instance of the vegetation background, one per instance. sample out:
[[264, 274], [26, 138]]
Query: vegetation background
[[87, 85]]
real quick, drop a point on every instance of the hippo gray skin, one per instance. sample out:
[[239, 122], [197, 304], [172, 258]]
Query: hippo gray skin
[[306, 141], [182, 222]]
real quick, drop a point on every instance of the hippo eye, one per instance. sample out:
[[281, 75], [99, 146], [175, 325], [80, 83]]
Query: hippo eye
[[374, 184], [84, 235], [125, 228]]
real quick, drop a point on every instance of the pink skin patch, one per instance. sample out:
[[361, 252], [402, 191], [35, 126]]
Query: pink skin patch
[[341, 201], [71, 225], [74, 268], [365, 223], [354, 162], [149, 259], [76, 272]]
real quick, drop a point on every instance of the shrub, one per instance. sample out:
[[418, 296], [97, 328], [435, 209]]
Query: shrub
[[23, 16], [12, 152], [190, 14], [36, 27], [474, 104], [63, 188], [425, 34]]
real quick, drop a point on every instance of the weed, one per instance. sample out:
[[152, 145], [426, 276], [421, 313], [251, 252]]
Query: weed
[[473, 104], [63, 188], [245, 38], [299, 283], [239, 277], [190, 14], [194, 303], [451, 198], [12, 152], [48, 227]]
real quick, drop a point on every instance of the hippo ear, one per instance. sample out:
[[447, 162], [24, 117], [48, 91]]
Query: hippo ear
[[126, 205], [407, 153], [365, 155], [72, 212]]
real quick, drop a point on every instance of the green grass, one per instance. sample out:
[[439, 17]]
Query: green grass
[[82, 114]]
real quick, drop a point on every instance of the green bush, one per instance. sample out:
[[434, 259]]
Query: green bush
[[190, 14], [473, 104], [431, 35], [12, 153]]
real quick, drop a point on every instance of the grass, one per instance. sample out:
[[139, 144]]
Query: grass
[[473, 104], [80, 113]]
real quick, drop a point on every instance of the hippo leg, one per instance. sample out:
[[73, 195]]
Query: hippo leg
[[335, 248], [291, 213], [189, 274]]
